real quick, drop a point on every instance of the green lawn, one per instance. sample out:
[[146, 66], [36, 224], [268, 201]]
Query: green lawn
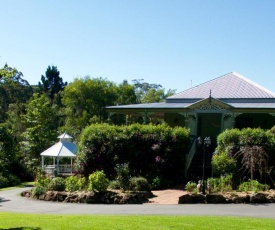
[[25, 184], [45, 221]]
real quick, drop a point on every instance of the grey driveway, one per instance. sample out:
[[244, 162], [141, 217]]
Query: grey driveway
[[10, 201]]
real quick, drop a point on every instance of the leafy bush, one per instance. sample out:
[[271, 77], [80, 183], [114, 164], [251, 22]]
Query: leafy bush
[[191, 186], [123, 175], [156, 183], [222, 164], [98, 181], [57, 184], [252, 185], [41, 179], [221, 184], [139, 184], [75, 183], [252, 150], [114, 184], [38, 190]]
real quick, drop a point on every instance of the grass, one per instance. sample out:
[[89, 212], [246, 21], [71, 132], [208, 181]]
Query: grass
[[25, 184], [21, 221]]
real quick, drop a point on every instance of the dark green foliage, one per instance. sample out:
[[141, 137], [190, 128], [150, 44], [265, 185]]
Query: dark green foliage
[[9, 165], [151, 151], [123, 176], [139, 184], [57, 184], [4, 182], [51, 84], [13, 90]]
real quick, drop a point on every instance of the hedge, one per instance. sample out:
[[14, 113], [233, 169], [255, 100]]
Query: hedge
[[152, 151]]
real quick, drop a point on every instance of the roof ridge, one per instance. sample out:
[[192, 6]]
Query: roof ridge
[[241, 77], [254, 83]]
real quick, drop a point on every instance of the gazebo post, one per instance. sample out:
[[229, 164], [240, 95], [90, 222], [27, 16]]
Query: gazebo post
[[57, 165], [42, 162], [71, 165]]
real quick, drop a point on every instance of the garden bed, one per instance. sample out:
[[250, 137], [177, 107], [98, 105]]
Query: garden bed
[[228, 197], [108, 197]]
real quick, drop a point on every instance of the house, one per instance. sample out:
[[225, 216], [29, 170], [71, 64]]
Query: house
[[228, 101]]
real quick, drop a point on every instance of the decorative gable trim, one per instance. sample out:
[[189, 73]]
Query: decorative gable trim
[[210, 104]]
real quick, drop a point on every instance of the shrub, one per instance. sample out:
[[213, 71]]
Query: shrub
[[41, 179], [156, 183], [123, 176], [38, 190], [13, 180], [139, 184], [114, 184], [221, 184], [191, 186], [252, 185], [222, 164], [71, 184], [4, 182], [150, 150], [75, 183], [57, 184], [98, 181]]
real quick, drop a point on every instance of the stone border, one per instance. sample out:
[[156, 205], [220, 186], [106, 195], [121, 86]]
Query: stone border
[[108, 197], [237, 198]]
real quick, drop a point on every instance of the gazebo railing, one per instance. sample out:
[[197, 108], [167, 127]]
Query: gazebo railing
[[60, 169]]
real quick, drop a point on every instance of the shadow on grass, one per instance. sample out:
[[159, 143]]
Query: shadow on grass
[[21, 228]]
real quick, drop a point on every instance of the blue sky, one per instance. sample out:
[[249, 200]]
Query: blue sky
[[174, 43]]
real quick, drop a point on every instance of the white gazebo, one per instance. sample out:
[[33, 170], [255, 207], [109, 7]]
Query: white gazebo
[[63, 149]]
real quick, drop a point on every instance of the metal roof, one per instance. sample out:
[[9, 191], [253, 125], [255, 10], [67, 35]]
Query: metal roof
[[231, 85], [231, 89], [160, 105], [64, 148]]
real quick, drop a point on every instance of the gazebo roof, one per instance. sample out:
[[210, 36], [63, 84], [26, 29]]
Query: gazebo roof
[[64, 148]]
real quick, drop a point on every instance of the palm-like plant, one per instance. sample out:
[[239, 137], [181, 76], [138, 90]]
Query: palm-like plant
[[254, 159]]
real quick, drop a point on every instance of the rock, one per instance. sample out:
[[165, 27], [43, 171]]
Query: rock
[[27, 193], [61, 196], [259, 198], [185, 199], [50, 196], [241, 199], [191, 199], [215, 199]]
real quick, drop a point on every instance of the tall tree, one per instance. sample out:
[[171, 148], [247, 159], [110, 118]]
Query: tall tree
[[41, 121], [13, 90], [85, 100], [149, 93], [51, 83], [126, 94]]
